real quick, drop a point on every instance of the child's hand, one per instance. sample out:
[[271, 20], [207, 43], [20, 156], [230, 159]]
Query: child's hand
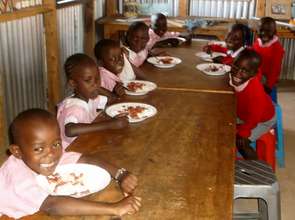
[[207, 49], [218, 59], [128, 183], [267, 89], [119, 89], [129, 205], [158, 52], [120, 122]]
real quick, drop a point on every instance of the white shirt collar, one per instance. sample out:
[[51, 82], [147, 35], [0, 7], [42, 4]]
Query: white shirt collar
[[239, 88], [275, 39]]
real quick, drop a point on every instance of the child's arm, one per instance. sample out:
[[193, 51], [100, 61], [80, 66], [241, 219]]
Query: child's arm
[[139, 73], [127, 181], [62, 205], [112, 97], [214, 48], [75, 129]]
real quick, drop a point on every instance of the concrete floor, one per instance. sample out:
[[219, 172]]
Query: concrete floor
[[286, 176]]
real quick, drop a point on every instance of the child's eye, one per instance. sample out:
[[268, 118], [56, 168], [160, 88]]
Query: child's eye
[[57, 145], [38, 149]]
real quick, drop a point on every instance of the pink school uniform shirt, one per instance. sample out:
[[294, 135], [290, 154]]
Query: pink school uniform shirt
[[154, 38], [137, 59], [75, 110], [19, 191], [109, 80]]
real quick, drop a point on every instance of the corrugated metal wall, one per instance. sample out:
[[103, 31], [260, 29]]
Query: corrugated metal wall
[[71, 36], [22, 65], [224, 9], [288, 71]]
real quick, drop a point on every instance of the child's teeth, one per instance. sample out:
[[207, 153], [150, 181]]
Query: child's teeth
[[46, 165]]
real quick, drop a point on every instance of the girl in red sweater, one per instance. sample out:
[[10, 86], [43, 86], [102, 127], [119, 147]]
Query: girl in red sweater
[[237, 39], [255, 110], [267, 45]]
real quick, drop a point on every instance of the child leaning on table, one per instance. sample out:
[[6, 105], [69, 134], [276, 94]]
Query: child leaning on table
[[267, 45], [255, 110], [76, 113], [114, 67], [237, 40], [160, 36], [37, 149]]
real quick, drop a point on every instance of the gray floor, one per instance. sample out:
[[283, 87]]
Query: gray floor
[[285, 175]]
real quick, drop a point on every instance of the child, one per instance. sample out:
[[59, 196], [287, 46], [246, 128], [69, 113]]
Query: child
[[267, 45], [77, 112], [237, 39], [36, 149], [158, 34], [136, 42], [255, 110], [114, 66]]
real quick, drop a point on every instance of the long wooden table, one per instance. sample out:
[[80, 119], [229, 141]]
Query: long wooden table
[[185, 76]]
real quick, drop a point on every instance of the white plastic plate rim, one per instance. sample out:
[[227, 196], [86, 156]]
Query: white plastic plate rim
[[224, 70], [148, 87]]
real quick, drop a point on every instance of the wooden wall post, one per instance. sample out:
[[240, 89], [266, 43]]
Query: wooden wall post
[[89, 27], [111, 7], [260, 8], [52, 54], [183, 8]]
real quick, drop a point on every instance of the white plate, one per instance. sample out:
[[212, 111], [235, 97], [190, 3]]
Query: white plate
[[156, 61], [222, 69], [92, 179], [119, 108], [215, 42], [209, 57], [146, 87]]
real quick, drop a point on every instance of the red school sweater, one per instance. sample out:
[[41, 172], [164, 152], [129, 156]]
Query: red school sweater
[[253, 106], [228, 59], [272, 55]]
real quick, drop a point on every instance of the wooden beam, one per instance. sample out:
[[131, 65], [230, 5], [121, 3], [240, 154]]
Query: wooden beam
[[111, 7], [183, 8], [89, 27], [22, 13], [260, 8], [52, 55]]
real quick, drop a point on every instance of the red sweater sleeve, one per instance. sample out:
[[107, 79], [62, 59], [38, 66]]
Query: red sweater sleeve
[[218, 48], [274, 74], [228, 60]]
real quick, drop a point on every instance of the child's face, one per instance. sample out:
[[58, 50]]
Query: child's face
[[241, 72], [86, 82], [234, 40], [160, 26], [113, 60], [138, 40], [40, 146], [267, 31]]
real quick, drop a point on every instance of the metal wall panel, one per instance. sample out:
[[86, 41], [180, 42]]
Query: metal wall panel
[[223, 9], [71, 36], [288, 69], [22, 65]]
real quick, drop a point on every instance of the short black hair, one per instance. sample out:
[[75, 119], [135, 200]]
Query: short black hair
[[76, 60], [246, 32], [135, 26], [19, 122], [102, 46], [156, 17], [268, 20], [253, 57]]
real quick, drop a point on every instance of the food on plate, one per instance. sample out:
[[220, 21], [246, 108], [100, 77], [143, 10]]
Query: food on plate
[[134, 86], [213, 68], [72, 179], [132, 111], [166, 60]]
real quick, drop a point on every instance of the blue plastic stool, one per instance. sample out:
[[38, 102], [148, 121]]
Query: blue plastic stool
[[274, 95], [280, 151]]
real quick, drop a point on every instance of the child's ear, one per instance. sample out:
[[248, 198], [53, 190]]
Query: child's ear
[[72, 83], [15, 151]]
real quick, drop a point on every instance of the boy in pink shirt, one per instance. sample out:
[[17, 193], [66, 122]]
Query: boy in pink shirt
[[158, 34], [77, 112], [36, 150], [114, 67]]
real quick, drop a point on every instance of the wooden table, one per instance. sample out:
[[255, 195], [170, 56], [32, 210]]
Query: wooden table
[[183, 156], [185, 76], [112, 27]]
